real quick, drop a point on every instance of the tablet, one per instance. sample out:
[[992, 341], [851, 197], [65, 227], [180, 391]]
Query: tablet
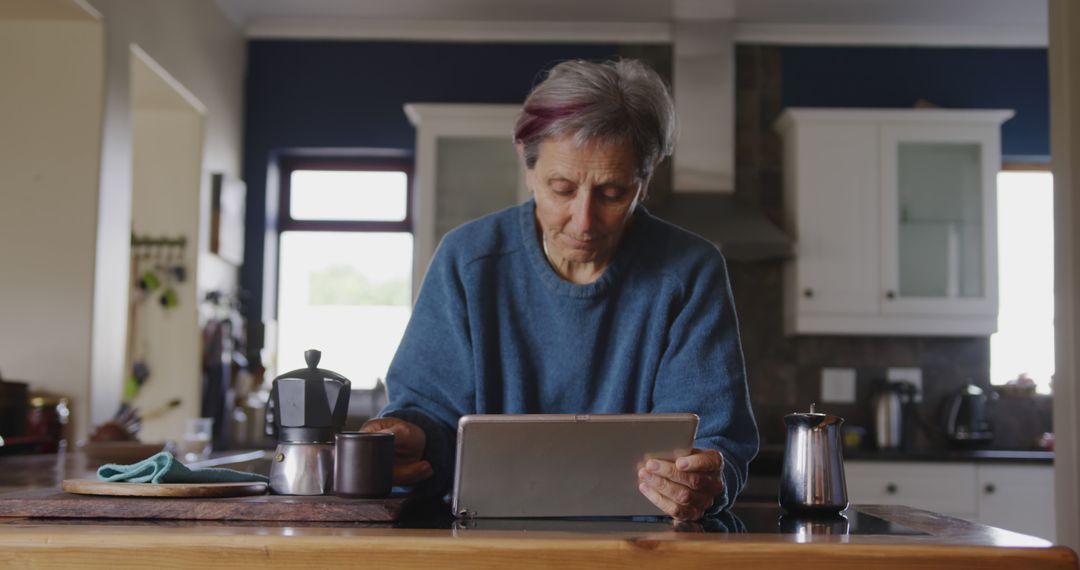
[[562, 465]]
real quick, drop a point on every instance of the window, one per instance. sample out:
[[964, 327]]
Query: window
[[345, 265], [1024, 343]]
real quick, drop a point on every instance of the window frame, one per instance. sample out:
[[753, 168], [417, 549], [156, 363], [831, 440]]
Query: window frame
[[283, 165], [288, 165]]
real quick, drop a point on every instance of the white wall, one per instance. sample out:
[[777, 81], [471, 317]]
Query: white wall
[[52, 67], [1065, 149], [204, 53]]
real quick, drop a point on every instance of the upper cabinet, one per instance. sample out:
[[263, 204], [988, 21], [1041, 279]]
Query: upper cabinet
[[466, 166], [894, 214]]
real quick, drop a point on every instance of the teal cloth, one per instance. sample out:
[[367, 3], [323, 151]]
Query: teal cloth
[[164, 468]]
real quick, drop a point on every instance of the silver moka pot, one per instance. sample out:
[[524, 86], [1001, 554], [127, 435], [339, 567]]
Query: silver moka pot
[[306, 408], [812, 480]]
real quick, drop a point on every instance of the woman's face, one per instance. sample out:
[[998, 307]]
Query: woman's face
[[585, 195]]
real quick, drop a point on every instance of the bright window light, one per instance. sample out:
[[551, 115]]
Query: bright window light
[[347, 294], [1024, 343], [361, 195]]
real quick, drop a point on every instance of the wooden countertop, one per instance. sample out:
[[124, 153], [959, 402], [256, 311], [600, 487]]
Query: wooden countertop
[[23, 472], [947, 544], [927, 541]]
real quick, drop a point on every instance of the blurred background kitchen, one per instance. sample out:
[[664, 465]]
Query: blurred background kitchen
[[195, 192]]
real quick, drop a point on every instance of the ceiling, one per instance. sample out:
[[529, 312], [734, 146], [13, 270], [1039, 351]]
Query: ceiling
[[57, 10], [245, 12], [910, 12], [1005, 21]]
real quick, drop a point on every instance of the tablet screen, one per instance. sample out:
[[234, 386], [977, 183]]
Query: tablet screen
[[562, 465]]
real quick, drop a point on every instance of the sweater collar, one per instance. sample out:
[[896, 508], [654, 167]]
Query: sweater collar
[[535, 253]]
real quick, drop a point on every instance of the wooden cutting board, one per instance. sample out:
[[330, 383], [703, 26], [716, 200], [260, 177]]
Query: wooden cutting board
[[55, 503], [95, 487]]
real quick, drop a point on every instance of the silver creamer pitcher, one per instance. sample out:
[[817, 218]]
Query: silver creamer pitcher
[[813, 474]]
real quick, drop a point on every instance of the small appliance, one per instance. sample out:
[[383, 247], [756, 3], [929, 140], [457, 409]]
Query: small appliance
[[307, 408], [967, 417], [892, 405], [14, 405]]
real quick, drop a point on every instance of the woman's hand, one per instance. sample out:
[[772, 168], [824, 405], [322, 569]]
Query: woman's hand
[[409, 443], [685, 488]]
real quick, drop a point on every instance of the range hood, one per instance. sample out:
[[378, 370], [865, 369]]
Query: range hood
[[740, 231], [704, 198]]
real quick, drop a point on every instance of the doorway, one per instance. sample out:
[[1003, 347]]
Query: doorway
[[163, 329]]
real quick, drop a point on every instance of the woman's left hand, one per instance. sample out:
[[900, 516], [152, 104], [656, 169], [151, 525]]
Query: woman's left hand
[[686, 487]]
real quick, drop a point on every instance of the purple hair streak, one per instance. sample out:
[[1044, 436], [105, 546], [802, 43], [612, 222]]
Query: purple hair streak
[[537, 118]]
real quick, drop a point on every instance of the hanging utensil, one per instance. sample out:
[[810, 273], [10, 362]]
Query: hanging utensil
[[169, 298], [179, 269], [139, 371]]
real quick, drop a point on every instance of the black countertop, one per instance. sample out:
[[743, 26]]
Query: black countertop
[[769, 453], [745, 517], [954, 455], [770, 459]]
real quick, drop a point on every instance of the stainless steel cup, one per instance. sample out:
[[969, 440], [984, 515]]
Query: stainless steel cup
[[813, 475], [363, 465]]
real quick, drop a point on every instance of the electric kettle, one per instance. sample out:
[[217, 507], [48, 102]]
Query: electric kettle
[[967, 417]]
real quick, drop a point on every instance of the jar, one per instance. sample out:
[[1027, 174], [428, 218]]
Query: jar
[[46, 421], [13, 408]]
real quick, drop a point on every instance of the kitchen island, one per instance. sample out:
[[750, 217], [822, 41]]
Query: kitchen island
[[752, 536]]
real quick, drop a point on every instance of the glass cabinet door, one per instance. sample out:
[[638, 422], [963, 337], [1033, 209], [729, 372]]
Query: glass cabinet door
[[473, 176], [937, 228], [939, 195], [466, 166]]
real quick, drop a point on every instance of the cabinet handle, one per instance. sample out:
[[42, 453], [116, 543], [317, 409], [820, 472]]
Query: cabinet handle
[[890, 294], [891, 488], [808, 292], [989, 489]]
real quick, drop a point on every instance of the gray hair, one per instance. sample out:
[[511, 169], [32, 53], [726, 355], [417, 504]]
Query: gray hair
[[621, 101]]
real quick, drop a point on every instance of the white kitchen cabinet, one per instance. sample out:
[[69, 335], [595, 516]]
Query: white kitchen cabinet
[[466, 166], [894, 215], [1014, 497], [1018, 498], [946, 488]]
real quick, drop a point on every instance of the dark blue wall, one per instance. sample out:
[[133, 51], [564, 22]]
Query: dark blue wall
[[350, 94], [303, 94], [954, 78]]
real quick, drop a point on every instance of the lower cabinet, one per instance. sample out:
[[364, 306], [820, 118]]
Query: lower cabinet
[[1017, 497], [946, 488], [1014, 497]]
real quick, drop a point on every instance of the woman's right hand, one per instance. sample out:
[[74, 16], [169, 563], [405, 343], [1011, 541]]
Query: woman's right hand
[[409, 443]]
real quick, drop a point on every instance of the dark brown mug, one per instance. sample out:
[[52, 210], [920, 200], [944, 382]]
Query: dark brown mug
[[363, 464]]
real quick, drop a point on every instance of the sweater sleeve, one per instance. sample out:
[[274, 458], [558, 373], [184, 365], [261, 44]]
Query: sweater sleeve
[[430, 381], [702, 371]]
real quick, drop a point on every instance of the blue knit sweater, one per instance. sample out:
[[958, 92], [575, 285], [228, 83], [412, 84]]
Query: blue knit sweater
[[496, 331]]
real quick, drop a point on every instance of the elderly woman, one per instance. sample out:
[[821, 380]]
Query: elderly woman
[[579, 300]]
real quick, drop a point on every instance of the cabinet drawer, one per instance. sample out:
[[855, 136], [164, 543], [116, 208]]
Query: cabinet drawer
[[938, 487]]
